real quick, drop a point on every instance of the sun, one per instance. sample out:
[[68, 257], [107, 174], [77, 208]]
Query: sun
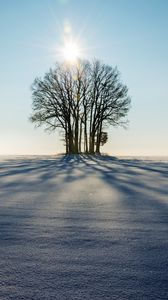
[[71, 51]]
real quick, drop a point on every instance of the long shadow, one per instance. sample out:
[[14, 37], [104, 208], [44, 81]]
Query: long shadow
[[143, 193], [35, 173], [134, 168], [73, 256], [138, 251]]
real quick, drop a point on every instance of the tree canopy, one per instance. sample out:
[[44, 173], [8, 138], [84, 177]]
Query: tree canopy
[[81, 100]]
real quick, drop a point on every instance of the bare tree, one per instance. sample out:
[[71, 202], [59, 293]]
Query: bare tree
[[81, 100]]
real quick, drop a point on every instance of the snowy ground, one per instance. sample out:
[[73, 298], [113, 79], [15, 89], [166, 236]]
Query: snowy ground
[[83, 228]]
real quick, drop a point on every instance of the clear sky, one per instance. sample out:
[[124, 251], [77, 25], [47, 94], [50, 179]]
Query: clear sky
[[132, 34]]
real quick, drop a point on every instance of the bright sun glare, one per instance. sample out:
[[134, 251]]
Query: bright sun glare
[[71, 51]]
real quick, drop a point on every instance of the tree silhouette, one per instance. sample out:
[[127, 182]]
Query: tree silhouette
[[82, 100]]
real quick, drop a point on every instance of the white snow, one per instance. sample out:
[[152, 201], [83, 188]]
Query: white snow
[[81, 227]]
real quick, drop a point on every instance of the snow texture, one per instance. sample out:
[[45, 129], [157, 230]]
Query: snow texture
[[81, 227]]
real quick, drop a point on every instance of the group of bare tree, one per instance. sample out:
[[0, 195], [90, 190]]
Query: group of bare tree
[[82, 100]]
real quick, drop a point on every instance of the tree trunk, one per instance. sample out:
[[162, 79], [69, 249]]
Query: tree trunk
[[90, 130], [76, 150], [70, 138], [66, 142], [92, 143], [80, 136], [99, 132], [85, 133]]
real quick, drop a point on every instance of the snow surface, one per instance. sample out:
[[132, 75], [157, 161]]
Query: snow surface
[[82, 227]]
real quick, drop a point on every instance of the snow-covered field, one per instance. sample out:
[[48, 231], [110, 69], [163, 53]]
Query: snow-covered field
[[83, 228]]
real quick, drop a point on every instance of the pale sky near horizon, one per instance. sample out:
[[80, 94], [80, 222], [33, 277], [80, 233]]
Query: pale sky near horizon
[[131, 34]]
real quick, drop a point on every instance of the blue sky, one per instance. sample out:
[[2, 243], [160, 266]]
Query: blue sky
[[131, 34]]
